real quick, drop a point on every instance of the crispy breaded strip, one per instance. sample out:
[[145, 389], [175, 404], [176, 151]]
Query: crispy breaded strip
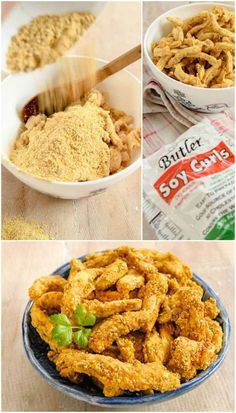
[[151, 261], [195, 20], [91, 296], [224, 46], [161, 63], [198, 27], [214, 333], [172, 265], [50, 302], [173, 285], [175, 21], [72, 376], [217, 28], [80, 284], [108, 295], [184, 77], [200, 71], [137, 339], [109, 330], [226, 83], [157, 345], [102, 310], [174, 304], [210, 308], [117, 376], [136, 293], [112, 351], [229, 66], [178, 36], [186, 309], [154, 295], [193, 284], [100, 259], [53, 354], [76, 265], [142, 265], [166, 332], [45, 284], [191, 51], [212, 72], [138, 260], [42, 323], [129, 283], [204, 35], [111, 274], [188, 356], [127, 349], [225, 14], [152, 347]]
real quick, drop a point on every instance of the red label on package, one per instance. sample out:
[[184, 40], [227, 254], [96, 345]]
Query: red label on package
[[196, 167]]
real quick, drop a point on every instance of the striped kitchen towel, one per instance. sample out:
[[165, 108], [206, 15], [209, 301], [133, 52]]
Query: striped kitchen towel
[[165, 119]]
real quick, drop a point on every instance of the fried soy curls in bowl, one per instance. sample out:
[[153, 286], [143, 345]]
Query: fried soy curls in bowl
[[199, 50], [134, 324]]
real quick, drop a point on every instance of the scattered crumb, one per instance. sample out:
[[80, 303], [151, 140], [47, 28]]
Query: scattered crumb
[[17, 228]]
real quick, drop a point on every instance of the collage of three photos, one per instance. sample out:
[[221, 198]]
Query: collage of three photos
[[118, 205]]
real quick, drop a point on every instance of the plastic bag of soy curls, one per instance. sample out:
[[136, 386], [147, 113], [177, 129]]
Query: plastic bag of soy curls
[[189, 185]]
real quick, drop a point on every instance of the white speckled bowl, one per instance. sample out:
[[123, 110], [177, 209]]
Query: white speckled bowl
[[124, 93], [196, 98], [24, 11], [36, 350]]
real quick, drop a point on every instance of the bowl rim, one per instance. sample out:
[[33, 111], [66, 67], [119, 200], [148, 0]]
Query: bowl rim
[[163, 75], [130, 400], [101, 181]]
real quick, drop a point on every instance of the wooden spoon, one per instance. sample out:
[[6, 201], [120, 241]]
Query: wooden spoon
[[32, 107]]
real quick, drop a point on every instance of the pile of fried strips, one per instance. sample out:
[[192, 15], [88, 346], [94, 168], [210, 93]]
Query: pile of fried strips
[[199, 51], [153, 329]]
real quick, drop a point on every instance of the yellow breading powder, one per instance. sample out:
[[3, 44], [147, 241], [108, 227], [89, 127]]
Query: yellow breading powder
[[82, 143], [17, 228], [45, 39]]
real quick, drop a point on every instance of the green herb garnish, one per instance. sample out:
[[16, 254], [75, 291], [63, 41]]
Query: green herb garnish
[[80, 338], [83, 318], [64, 333]]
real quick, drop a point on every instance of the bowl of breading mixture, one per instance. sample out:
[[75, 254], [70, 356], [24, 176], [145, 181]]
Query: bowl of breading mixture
[[190, 52], [38, 33], [158, 330], [77, 152]]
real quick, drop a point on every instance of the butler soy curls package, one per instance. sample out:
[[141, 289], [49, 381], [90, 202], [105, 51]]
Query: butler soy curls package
[[189, 186]]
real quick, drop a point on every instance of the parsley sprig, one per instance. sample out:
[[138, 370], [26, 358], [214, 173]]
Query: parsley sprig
[[64, 333]]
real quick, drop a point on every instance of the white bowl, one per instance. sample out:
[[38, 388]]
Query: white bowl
[[200, 99], [124, 91], [23, 12]]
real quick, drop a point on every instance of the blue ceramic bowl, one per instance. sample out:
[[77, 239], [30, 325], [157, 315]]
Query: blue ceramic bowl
[[36, 350]]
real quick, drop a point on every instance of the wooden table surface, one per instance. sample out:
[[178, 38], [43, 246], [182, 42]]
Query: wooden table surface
[[116, 213], [23, 389]]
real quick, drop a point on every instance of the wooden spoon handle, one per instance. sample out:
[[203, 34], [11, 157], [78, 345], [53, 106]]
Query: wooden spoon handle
[[85, 85], [119, 63]]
